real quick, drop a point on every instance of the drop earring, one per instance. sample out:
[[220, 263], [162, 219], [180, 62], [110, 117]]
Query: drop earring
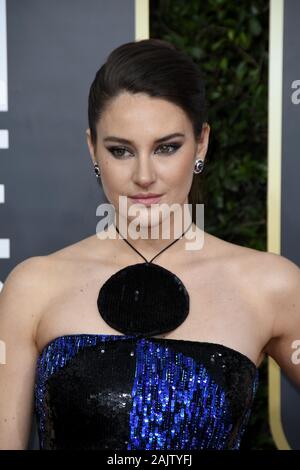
[[199, 165], [97, 170]]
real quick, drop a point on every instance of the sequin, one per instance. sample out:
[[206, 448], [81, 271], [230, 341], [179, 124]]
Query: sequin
[[126, 294], [168, 394]]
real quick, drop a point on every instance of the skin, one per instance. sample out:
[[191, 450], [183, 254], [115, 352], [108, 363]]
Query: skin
[[242, 298]]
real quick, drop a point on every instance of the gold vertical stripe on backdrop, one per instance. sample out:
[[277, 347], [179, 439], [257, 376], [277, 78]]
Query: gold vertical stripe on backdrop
[[141, 19], [274, 191]]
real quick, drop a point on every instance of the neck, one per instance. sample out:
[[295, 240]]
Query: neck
[[151, 240]]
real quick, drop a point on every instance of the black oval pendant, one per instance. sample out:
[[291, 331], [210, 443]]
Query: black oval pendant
[[143, 299]]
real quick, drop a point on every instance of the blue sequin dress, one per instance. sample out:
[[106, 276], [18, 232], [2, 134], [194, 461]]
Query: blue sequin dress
[[121, 392]]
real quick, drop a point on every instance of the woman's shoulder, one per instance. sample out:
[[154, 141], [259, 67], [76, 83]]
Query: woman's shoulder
[[22, 296], [229, 249], [35, 275], [26, 273], [265, 272], [270, 275], [39, 280], [267, 266], [29, 281], [88, 249], [232, 254]]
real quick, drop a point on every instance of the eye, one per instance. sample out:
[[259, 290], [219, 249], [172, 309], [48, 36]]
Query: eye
[[117, 152], [112, 150], [174, 147]]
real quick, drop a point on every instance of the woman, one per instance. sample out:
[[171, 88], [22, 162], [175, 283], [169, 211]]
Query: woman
[[125, 354]]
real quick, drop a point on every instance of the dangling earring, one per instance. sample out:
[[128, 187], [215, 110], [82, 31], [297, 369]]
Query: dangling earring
[[97, 170], [199, 165]]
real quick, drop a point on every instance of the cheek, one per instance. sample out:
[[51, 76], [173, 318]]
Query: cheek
[[115, 177], [181, 171]]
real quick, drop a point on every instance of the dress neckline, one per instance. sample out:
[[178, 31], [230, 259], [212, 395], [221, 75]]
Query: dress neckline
[[167, 340]]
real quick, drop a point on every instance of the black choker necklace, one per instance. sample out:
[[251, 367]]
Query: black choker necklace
[[144, 298]]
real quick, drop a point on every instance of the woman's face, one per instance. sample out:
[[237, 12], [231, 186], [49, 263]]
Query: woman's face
[[142, 164]]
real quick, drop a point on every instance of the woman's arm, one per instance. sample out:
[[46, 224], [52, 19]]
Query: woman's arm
[[284, 296], [20, 302]]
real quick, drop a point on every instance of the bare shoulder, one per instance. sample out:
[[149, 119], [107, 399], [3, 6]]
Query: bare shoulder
[[278, 276], [27, 280], [282, 290], [272, 278], [283, 274], [83, 250], [278, 280], [248, 261], [31, 280], [21, 298], [240, 252], [39, 273], [36, 281], [282, 287], [24, 275]]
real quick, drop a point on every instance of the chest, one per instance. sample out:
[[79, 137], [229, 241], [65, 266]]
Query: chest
[[222, 309]]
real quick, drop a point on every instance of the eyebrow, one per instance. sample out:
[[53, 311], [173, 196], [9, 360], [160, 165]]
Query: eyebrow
[[126, 141]]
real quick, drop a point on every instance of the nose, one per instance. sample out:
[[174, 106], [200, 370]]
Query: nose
[[144, 172]]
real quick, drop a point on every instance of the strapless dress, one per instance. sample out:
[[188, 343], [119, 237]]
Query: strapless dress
[[122, 392]]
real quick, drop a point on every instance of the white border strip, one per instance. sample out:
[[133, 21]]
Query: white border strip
[[2, 194], [3, 58], [4, 144]]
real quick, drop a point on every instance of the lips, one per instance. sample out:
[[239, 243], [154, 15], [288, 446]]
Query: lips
[[151, 199]]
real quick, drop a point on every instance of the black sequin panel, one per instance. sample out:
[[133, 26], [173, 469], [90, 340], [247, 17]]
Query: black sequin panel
[[127, 304], [122, 392]]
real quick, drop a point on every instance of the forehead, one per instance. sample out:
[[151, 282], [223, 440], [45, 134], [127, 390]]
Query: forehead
[[140, 112]]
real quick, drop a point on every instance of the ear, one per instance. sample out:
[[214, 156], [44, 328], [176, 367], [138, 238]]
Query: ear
[[202, 144], [90, 145]]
